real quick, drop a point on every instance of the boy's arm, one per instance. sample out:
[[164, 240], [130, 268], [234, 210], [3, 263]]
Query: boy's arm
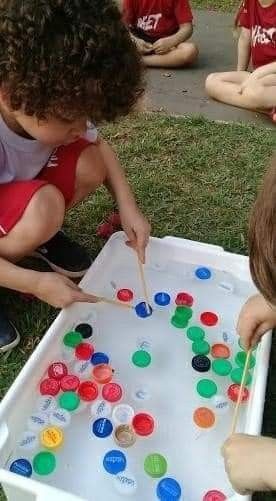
[[244, 49], [134, 223], [185, 31]]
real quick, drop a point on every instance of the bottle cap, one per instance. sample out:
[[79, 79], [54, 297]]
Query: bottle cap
[[214, 495], [112, 392], [143, 310], [44, 463], [125, 483], [124, 436], [102, 427], [122, 414], [162, 299], [46, 404], [208, 318], [143, 424], [204, 417], [220, 350], [201, 347], [168, 489], [69, 383], [69, 401], [220, 404], [88, 391], [99, 358], [101, 408], [49, 386], [203, 273], [60, 418], [195, 333], [57, 370], [141, 358], [206, 388], [28, 441], [21, 467], [125, 295], [221, 366], [84, 351], [184, 299], [240, 359], [51, 438], [201, 363], [72, 339], [114, 462], [85, 330], [236, 376], [155, 465], [38, 421], [82, 369], [233, 393], [102, 373]]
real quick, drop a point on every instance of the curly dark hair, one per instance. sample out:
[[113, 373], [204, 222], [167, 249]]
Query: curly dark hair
[[68, 59]]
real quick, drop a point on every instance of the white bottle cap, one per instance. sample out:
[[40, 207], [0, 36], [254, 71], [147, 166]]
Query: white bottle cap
[[83, 369], [221, 404], [46, 403], [101, 409], [38, 421], [122, 414], [60, 417], [28, 441], [125, 483]]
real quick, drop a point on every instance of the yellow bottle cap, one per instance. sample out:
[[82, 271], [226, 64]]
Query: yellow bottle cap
[[51, 437]]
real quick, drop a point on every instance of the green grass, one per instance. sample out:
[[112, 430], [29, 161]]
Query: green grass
[[221, 5], [193, 179]]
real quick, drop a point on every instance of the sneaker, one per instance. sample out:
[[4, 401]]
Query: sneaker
[[9, 336], [64, 256]]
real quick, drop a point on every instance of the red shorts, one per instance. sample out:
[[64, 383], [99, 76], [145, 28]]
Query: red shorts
[[60, 171]]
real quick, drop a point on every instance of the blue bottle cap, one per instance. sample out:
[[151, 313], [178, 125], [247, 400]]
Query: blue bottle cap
[[143, 310], [99, 358], [203, 273], [102, 427], [162, 298], [114, 462], [201, 363], [168, 489], [21, 467]]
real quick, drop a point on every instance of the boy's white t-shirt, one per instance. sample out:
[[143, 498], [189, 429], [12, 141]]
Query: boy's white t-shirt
[[22, 159]]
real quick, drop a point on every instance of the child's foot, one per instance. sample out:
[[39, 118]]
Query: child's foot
[[9, 336], [64, 256], [272, 114]]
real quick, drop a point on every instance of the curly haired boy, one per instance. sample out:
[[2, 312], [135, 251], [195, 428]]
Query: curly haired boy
[[64, 65]]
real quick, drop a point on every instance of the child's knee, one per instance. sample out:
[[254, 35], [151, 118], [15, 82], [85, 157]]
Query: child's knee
[[47, 212], [189, 51], [211, 83], [91, 171], [254, 94]]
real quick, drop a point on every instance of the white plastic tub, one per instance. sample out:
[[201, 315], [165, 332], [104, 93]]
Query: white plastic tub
[[193, 456]]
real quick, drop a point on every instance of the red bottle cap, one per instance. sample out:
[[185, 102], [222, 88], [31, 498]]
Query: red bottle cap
[[233, 393], [102, 373], [220, 350], [184, 299], [84, 351], [208, 318], [88, 391], [112, 392], [143, 424], [49, 386], [57, 370], [214, 496], [69, 383], [125, 295]]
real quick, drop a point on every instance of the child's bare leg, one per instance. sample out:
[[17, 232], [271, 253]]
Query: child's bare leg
[[185, 53], [44, 215], [225, 87], [41, 220], [90, 173]]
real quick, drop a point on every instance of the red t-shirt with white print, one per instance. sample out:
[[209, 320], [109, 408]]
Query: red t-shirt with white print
[[261, 21], [157, 18]]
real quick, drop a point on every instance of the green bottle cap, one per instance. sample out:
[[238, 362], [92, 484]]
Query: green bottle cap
[[44, 463], [69, 400], [184, 312], [72, 339], [195, 333], [206, 388], [236, 376], [178, 322], [141, 358], [221, 366], [201, 347], [242, 347], [155, 465], [240, 359]]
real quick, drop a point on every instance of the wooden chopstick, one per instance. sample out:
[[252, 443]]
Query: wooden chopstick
[[144, 286], [244, 374]]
